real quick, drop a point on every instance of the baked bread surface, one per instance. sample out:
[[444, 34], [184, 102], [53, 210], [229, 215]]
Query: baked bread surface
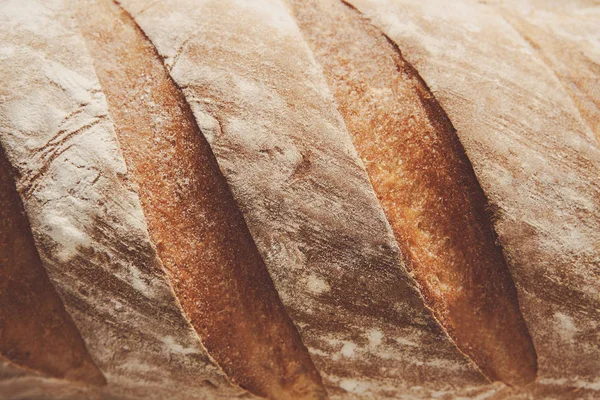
[[362, 199]]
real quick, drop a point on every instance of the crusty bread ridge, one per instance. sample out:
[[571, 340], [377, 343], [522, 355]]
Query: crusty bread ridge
[[538, 163], [426, 186], [87, 220]]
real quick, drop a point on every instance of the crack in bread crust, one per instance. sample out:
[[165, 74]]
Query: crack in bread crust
[[201, 236], [536, 160], [426, 186], [262, 101]]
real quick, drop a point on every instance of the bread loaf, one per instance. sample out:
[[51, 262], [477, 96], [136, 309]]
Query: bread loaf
[[299, 199]]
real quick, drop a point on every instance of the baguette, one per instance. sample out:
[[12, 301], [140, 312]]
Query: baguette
[[299, 199], [201, 237]]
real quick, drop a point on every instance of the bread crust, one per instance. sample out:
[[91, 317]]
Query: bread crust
[[200, 235], [263, 104], [538, 164], [86, 217], [426, 186], [564, 36], [36, 331], [272, 123]]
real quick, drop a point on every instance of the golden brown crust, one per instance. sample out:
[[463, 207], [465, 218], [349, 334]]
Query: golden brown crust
[[426, 187], [87, 220], [260, 100], [536, 161], [200, 235], [36, 331], [253, 84]]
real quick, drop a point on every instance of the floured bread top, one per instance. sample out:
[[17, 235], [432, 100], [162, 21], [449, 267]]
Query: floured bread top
[[351, 279], [85, 215], [536, 158]]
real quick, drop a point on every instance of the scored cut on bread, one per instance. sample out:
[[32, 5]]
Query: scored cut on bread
[[239, 128], [537, 162], [273, 125], [200, 235], [86, 218], [426, 186]]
